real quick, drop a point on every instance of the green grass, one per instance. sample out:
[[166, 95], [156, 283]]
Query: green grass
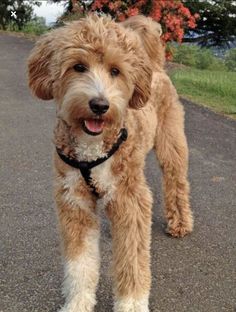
[[216, 90]]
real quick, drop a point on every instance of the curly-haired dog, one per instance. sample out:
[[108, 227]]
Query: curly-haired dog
[[107, 79]]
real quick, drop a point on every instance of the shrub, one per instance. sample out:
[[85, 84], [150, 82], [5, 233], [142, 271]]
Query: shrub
[[185, 54], [194, 56], [204, 59], [36, 26], [218, 65], [230, 60]]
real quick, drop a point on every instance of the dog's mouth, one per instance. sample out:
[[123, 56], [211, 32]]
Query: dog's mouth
[[93, 126]]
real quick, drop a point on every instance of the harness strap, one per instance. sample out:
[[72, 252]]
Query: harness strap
[[86, 166]]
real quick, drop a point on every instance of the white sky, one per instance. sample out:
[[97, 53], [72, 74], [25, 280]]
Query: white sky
[[50, 11]]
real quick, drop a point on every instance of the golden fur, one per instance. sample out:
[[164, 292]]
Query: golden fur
[[141, 98]]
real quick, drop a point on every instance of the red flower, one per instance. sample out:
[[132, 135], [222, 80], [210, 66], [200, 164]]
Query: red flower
[[173, 16], [132, 11]]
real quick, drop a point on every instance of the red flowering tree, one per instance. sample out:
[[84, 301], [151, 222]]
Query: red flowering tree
[[173, 16]]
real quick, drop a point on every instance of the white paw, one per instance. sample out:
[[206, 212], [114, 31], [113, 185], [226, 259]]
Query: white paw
[[83, 305], [131, 305]]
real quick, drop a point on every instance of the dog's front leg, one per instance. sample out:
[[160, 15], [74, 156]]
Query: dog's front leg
[[130, 215], [80, 232]]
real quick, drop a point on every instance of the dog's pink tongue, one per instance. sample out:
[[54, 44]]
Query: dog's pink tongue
[[94, 125]]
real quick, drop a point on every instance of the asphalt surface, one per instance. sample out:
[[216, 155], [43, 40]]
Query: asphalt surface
[[194, 274]]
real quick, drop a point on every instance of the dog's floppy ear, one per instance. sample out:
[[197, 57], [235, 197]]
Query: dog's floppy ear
[[39, 75], [142, 87], [150, 33]]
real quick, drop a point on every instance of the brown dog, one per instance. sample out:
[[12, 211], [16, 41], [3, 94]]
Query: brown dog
[[107, 79]]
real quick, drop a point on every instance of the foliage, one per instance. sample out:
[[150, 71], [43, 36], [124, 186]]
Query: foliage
[[171, 14], [210, 88], [205, 59], [230, 60], [24, 12], [37, 26], [217, 23], [194, 56], [185, 54], [69, 14]]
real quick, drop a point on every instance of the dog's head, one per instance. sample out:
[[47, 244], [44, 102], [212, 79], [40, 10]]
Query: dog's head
[[95, 69]]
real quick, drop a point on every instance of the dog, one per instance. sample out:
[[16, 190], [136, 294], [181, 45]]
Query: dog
[[114, 104]]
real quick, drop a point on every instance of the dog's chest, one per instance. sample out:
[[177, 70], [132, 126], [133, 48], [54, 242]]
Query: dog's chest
[[104, 179]]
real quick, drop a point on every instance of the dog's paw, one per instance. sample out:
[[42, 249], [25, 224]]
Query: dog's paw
[[179, 230], [78, 307], [65, 309], [131, 305]]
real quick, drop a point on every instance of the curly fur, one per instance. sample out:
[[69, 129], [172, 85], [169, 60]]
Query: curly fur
[[143, 99]]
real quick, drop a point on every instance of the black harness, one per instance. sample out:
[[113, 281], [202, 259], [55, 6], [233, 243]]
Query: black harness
[[86, 166]]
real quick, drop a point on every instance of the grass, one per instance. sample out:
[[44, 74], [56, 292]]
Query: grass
[[216, 90]]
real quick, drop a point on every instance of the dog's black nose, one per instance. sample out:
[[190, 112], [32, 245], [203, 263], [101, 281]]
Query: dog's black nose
[[99, 106]]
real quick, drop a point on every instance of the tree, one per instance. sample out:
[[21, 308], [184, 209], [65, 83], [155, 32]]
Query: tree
[[217, 23], [23, 9], [171, 14]]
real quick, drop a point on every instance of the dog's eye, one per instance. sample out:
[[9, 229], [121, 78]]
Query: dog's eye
[[80, 68], [115, 72]]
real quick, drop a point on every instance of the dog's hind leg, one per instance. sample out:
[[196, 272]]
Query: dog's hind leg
[[130, 216], [79, 227], [172, 151]]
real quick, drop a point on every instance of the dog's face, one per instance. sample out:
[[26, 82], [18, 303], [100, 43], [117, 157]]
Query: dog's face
[[95, 69]]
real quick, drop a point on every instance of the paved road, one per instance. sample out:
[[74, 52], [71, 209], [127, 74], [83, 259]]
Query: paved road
[[195, 274]]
